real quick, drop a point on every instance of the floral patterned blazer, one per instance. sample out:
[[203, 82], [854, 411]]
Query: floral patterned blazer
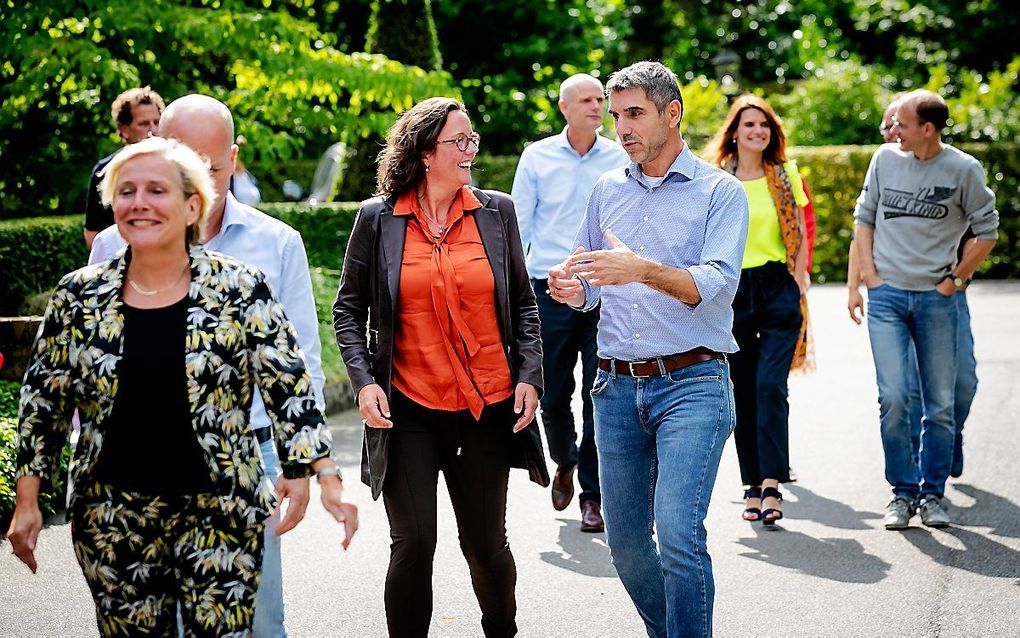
[[237, 338]]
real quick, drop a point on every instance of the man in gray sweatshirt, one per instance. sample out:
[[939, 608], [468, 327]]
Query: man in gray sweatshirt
[[919, 198]]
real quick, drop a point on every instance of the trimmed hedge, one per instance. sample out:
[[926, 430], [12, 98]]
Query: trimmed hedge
[[35, 253]]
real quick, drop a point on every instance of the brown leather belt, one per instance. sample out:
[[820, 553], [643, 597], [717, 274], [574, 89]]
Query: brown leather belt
[[651, 368]]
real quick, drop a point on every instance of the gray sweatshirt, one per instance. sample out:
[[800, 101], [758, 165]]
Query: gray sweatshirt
[[920, 209]]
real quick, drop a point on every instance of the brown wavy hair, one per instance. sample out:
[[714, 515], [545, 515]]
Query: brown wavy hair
[[722, 147], [402, 160]]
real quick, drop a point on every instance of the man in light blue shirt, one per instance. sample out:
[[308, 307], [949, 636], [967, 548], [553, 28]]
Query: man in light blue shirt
[[661, 247], [554, 178], [253, 237]]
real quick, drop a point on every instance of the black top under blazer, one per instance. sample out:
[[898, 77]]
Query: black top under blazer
[[367, 297]]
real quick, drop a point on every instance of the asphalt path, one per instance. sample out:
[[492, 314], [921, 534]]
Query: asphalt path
[[829, 569]]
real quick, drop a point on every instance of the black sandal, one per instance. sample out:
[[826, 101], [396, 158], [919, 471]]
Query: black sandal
[[766, 519], [752, 514]]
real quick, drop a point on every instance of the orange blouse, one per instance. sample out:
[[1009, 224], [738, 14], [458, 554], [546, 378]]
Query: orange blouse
[[448, 353]]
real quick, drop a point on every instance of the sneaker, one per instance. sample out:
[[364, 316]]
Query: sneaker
[[898, 513], [933, 512]]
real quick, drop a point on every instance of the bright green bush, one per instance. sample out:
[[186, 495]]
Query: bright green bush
[[35, 253], [51, 497]]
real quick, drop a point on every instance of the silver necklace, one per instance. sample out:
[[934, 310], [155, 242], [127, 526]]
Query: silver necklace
[[153, 293], [438, 229]]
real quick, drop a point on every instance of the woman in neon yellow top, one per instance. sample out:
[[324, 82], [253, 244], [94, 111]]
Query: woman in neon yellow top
[[768, 323]]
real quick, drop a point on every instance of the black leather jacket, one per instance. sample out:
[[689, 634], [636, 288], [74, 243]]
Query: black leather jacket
[[367, 298]]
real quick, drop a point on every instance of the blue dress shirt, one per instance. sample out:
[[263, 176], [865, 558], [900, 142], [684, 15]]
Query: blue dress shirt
[[551, 188], [277, 250], [695, 219]]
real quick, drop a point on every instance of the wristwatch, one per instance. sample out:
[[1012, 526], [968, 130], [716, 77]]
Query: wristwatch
[[960, 282], [329, 471]]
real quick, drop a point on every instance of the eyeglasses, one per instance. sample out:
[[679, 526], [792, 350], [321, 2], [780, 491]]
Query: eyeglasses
[[885, 128], [462, 141]]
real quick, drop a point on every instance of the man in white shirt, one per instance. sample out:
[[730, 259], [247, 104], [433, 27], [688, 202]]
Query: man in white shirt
[[237, 230], [554, 178]]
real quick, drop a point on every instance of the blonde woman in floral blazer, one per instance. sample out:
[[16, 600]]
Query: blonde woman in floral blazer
[[145, 550]]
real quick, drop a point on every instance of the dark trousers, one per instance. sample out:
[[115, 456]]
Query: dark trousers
[[566, 333], [474, 458], [766, 324], [146, 558]]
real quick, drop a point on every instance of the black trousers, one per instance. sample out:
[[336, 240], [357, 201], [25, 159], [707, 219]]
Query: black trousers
[[566, 334], [474, 458], [766, 324]]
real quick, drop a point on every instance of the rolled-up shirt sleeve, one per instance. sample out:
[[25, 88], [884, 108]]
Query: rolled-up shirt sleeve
[[718, 271], [589, 236]]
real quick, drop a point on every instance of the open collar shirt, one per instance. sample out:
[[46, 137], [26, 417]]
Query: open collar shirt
[[551, 188], [694, 219], [276, 249]]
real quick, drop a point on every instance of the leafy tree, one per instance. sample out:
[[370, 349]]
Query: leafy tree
[[402, 30], [291, 92]]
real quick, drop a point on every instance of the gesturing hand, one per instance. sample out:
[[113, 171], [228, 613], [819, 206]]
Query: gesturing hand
[[564, 287], [526, 400], [612, 267]]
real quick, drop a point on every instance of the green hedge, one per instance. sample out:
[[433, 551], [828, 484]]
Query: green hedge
[[35, 253]]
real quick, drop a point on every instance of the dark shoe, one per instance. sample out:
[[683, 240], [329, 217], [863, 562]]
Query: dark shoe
[[772, 514], [752, 514], [933, 512], [563, 488], [591, 517]]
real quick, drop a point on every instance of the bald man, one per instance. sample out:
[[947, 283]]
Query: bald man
[[554, 178], [237, 230]]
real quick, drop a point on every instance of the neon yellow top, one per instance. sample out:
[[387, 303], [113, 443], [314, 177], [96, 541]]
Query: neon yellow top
[[764, 236]]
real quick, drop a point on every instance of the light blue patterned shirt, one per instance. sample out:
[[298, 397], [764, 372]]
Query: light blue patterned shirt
[[251, 236], [695, 219], [551, 188]]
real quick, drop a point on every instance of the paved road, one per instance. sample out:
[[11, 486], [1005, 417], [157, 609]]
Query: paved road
[[829, 570]]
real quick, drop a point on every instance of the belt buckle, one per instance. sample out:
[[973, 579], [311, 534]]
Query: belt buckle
[[630, 366]]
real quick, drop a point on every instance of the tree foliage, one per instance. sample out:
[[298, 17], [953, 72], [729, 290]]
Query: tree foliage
[[292, 92]]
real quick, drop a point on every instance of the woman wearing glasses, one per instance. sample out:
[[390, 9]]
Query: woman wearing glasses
[[451, 371]]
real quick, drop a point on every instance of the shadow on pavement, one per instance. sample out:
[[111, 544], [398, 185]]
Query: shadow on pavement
[[585, 554], [826, 511], [840, 559], [988, 510], [980, 554]]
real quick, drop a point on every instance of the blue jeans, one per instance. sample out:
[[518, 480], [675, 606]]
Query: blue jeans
[[660, 440], [899, 321], [966, 385], [269, 599]]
